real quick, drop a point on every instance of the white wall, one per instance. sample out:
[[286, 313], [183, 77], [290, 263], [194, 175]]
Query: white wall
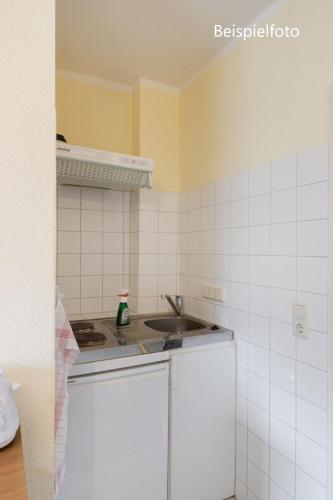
[[27, 221]]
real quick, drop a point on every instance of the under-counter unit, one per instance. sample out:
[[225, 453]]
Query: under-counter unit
[[202, 424], [140, 433], [118, 435]]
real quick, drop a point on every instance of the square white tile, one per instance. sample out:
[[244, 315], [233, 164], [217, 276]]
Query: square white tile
[[258, 421], [312, 238], [283, 371], [238, 267], [112, 285], [312, 421], [257, 482], [68, 196], [283, 173], [70, 286], [113, 201], [91, 220], [283, 405], [312, 201], [168, 201], [259, 300], [68, 242], [259, 180], [239, 186], [281, 303], [222, 190], [312, 165], [308, 488], [282, 339], [282, 472], [258, 452], [91, 242], [259, 240], [168, 222], [207, 195], [113, 243], [259, 209], [91, 286], [259, 330], [258, 391], [283, 439], [312, 274], [91, 199], [258, 361], [68, 265], [91, 264], [312, 458], [313, 351], [283, 239], [283, 206], [221, 215], [113, 264], [259, 270], [312, 384], [113, 222], [194, 199], [239, 213], [68, 219], [283, 272]]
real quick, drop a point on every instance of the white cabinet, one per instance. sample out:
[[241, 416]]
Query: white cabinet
[[202, 424], [118, 435]]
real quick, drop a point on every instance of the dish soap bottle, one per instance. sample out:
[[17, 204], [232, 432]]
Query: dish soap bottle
[[123, 316]]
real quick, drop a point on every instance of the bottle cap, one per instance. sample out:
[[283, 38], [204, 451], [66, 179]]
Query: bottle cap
[[123, 293]]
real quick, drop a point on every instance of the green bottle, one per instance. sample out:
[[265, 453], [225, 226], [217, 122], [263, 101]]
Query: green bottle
[[123, 316]]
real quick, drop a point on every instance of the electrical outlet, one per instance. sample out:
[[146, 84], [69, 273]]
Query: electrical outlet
[[300, 321]]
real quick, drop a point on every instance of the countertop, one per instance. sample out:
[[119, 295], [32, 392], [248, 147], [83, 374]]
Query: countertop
[[12, 476]]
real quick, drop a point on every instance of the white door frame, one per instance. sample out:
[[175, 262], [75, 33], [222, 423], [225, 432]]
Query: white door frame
[[330, 295]]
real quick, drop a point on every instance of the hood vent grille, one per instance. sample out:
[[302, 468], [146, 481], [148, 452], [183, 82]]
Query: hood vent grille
[[92, 168]]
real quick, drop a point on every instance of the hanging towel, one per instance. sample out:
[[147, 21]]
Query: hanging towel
[[66, 351]]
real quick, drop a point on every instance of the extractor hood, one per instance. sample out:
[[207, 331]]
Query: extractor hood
[[78, 166]]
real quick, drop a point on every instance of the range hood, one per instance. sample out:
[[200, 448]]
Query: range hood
[[77, 166]]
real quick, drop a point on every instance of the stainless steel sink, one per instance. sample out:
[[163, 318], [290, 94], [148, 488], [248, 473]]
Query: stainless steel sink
[[174, 325]]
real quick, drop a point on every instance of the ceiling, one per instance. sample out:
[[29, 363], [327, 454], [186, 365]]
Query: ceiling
[[166, 41]]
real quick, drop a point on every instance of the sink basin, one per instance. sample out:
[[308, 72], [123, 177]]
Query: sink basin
[[174, 325]]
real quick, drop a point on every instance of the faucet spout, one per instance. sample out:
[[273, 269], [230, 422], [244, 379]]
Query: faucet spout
[[176, 305]]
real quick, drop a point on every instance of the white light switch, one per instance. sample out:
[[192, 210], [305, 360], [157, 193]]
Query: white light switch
[[300, 321]]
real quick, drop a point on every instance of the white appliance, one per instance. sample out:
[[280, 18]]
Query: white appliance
[[80, 166], [117, 444], [9, 422]]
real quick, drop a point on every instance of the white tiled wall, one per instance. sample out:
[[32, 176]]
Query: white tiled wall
[[153, 249], [93, 248], [263, 236]]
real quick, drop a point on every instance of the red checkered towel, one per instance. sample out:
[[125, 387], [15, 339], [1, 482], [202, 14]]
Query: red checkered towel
[[66, 351]]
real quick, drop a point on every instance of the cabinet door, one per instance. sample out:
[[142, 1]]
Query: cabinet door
[[117, 445], [202, 437]]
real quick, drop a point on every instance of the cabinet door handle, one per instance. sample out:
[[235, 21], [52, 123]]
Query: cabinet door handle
[[174, 373]]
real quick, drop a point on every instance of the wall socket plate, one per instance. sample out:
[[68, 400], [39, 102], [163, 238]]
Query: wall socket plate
[[300, 321]]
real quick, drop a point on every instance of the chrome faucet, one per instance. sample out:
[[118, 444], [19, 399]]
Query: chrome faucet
[[176, 305]]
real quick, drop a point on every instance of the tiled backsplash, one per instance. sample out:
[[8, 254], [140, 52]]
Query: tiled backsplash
[[262, 235], [93, 248], [153, 249]]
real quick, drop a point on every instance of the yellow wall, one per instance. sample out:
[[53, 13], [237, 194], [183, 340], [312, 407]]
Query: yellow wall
[[262, 100], [144, 122], [159, 135], [94, 116]]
